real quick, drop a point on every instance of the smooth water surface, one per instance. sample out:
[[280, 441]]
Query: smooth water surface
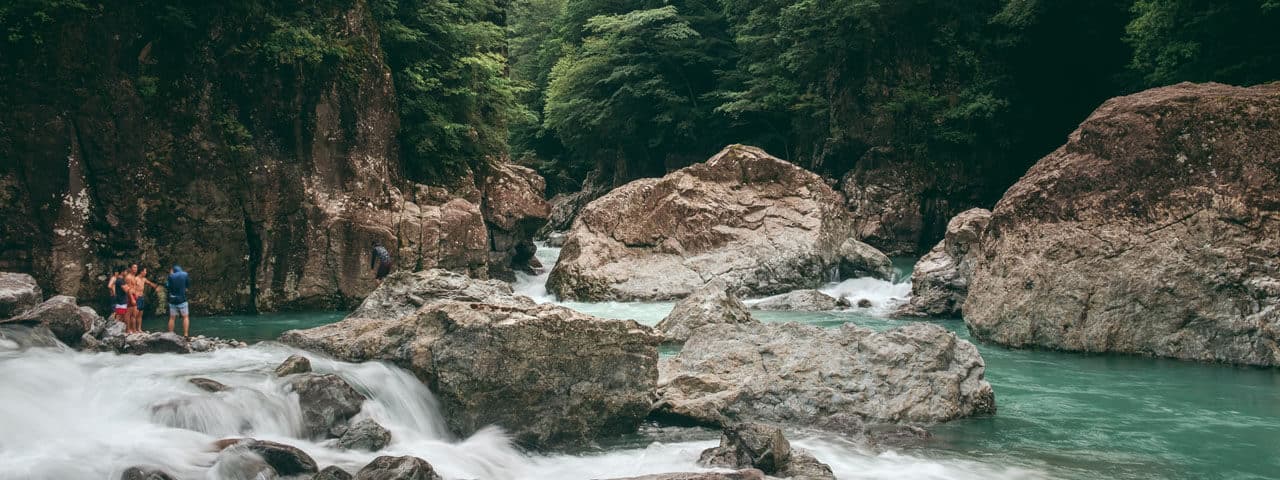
[[248, 328]]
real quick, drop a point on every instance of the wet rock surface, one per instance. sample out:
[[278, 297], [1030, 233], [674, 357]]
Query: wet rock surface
[[398, 468], [141, 473], [1154, 230], [514, 207], [802, 301], [711, 304], [293, 365], [764, 447], [749, 474], [328, 402], [365, 435], [940, 280], [332, 473], [211, 386], [18, 292], [547, 374], [837, 379], [762, 225], [286, 460], [68, 321]]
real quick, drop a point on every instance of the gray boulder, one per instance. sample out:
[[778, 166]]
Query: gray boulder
[[858, 260], [711, 304], [332, 473], [286, 460], [547, 374], [940, 280], [761, 446], [293, 365], [328, 402], [68, 321], [18, 292], [1155, 231], [365, 435], [802, 301], [398, 468], [763, 225], [835, 379]]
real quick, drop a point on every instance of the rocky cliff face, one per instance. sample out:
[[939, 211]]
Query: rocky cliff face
[[266, 181], [1155, 230]]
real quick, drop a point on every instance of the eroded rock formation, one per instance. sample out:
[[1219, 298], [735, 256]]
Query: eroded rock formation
[[549, 375], [709, 305], [940, 280], [836, 379], [762, 225], [1155, 230]]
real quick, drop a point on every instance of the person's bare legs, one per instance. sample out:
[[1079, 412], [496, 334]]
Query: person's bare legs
[[171, 316], [186, 325]]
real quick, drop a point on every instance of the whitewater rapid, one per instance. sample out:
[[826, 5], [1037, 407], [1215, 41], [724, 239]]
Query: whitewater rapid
[[72, 415]]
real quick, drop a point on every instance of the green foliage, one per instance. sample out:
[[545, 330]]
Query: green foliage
[[30, 21], [455, 98], [1206, 40]]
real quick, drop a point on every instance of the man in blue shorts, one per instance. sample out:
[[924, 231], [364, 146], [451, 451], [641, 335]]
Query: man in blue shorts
[[176, 289]]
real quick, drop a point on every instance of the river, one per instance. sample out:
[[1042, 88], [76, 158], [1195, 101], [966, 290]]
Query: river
[[72, 415]]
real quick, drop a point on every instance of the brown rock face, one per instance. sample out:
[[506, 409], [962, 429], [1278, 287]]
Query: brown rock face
[[266, 182], [18, 293], [1155, 230], [762, 225], [514, 209], [547, 374], [940, 280]]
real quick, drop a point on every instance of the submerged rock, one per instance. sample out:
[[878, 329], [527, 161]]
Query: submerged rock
[[332, 472], [835, 379], [802, 301], [208, 385], [749, 474], [1155, 230], [18, 292], [547, 374], [68, 321], [762, 225], [761, 446], [711, 304], [365, 435], [398, 468], [940, 280], [327, 402], [293, 365], [140, 473]]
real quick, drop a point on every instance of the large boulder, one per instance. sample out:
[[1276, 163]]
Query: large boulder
[[837, 379], [18, 292], [68, 321], [328, 402], [549, 375], [711, 304], [514, 209], [802, 301], [286, 460], [762, 225], [1155, 230], [397, 468], [940, 280], [762, 446]]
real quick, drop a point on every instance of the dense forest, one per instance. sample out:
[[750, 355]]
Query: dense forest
[[637, 88]]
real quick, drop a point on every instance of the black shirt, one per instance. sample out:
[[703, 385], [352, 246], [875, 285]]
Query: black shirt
[[121, 298]]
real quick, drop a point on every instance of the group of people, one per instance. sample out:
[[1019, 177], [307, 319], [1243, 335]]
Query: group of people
[[128, 287]]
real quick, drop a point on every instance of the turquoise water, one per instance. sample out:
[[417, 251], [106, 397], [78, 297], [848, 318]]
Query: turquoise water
[[249, 328]]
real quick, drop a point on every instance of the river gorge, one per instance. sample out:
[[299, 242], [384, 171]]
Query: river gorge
[[1061, 415]]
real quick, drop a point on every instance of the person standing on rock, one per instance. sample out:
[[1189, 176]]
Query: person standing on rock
[[140, 283], [176, 289], [131, 314], [119, 297], [380, 260]]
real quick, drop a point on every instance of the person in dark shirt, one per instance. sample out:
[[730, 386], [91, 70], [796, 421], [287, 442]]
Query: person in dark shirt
[[119, 297], [176, 289], [380, 260]]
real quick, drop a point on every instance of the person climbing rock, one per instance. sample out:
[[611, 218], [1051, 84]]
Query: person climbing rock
[[380, 260], [176, 288]]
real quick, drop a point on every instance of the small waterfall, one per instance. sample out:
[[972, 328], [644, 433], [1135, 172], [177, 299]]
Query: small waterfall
[[535, 286]]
